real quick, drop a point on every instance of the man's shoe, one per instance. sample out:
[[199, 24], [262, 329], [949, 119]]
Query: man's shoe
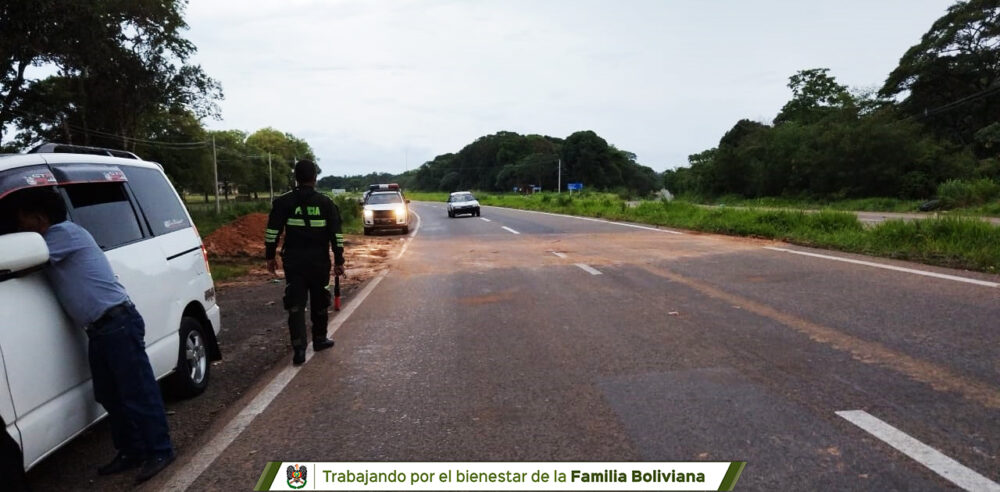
[[322, 344], [152, 466], [122, 462], [299, 357]]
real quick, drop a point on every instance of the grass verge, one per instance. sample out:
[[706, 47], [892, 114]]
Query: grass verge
[[428, 196], [952, 241], [223, 270]]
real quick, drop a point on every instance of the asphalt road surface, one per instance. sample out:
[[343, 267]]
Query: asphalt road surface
[[633, 344]]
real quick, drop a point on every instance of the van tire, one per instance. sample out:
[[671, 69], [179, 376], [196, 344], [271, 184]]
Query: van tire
[[190, 377]]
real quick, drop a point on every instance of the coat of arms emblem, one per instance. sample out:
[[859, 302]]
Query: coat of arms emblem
[[296, 476]]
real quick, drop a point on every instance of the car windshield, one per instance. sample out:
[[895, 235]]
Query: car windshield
[[382, 198], [462, 198]]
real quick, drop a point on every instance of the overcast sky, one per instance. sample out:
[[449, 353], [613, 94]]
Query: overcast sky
[[387, 85]]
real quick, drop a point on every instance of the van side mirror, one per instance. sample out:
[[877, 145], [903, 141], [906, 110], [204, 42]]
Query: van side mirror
[[21, 251], [407, 200]]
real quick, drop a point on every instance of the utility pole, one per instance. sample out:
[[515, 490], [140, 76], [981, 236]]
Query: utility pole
[[559, 182], [215, 167], [270, 177]]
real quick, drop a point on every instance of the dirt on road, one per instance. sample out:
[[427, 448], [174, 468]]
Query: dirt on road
[[254, 339]]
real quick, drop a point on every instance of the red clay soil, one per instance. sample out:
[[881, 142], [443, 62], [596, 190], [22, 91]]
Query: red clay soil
[[242, 237]]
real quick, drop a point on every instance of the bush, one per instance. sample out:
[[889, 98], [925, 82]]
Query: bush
[[956, 193]]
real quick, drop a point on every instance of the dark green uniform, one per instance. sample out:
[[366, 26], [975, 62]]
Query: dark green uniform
[[311, 223]]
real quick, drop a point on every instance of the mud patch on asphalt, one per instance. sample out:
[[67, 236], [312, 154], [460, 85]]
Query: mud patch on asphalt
[[506, 295]]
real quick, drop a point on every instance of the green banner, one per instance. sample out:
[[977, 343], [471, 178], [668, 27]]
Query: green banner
[[267, 478], [732, 475]]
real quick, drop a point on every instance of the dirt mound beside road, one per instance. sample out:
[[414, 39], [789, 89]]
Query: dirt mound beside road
[[241, 237]]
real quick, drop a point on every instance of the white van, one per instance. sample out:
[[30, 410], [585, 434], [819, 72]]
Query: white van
[[137, 218]]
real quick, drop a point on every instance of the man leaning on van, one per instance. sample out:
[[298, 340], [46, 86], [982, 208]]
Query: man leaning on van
[[82, 279]]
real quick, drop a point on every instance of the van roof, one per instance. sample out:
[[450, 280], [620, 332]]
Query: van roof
[[13, 161]]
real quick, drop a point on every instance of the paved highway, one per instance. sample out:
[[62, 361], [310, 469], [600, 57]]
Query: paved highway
[[525, 336]]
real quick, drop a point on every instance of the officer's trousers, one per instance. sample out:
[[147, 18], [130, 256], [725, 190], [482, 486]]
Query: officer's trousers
[[307, 282]]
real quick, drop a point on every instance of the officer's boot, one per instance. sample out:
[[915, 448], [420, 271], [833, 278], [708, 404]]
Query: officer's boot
[[297, 329]]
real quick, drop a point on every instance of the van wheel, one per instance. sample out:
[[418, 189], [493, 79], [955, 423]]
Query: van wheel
[[368, 232], [190, 378]]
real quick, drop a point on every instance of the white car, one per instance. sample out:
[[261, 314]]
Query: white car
[[385, 208], [462, 202], [136, 216]]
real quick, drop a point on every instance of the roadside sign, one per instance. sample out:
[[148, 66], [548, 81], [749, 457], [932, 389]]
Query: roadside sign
[[574, 186]]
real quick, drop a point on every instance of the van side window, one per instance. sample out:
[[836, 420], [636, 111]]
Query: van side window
[[157, 200], [106, 212]]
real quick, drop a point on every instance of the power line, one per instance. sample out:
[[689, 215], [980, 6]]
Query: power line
[[135, 140]]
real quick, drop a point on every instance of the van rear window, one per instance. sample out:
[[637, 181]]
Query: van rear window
[[106, 212], [157, 200]]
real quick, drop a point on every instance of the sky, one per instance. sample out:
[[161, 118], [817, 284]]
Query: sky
[[387, 85]]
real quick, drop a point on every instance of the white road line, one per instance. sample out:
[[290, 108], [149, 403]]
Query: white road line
[[184, 477], [925, 273], [485, 219], [588, 269], [508, 229], [413, 235], [646, 228], [561, 255], [948, 468]]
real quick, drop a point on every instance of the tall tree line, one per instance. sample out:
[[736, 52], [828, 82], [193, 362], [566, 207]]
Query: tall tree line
[[936, 117], [507, 160]]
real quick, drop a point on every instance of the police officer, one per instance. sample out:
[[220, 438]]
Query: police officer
[[312, 226]]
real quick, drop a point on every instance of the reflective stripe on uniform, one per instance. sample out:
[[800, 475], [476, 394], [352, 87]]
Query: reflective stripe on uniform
[[340, 240], [312, 222]]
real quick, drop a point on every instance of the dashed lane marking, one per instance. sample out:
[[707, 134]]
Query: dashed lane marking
[[948, 468], [561, 255], [485, 219], [508, 229], [925, 273], [588, 269]]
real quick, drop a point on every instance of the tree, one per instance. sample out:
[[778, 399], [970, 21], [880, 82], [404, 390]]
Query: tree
[[814, 94], [119, 64], [952, 77], [587, 158]]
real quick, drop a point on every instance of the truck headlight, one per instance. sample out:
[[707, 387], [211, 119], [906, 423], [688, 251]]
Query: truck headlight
[[400, 211], [368, 213]]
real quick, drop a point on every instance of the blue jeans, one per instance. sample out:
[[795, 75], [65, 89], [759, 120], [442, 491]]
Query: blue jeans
[[125, 385]]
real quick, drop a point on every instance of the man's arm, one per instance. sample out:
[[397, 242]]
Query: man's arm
[[61, 243], [275, 224], [336, 238]]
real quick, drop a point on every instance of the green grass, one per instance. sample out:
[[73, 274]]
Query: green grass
[[951, 241], [224, 271], [426, 196], [857, 204]]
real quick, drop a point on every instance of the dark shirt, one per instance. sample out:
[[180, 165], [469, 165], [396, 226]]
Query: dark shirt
[[311, 222]]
